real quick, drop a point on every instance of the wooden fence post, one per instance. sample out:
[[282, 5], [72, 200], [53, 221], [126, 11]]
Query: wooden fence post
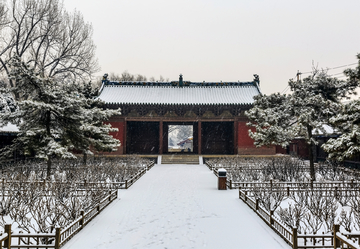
[[245, 192], [294, 238], [271, 184], [109, 195], [7, 242], [271, 217], [257, 204], [126, 184], [288, 191], [230, 184], [81, 223], [57, 237], [336, 241]]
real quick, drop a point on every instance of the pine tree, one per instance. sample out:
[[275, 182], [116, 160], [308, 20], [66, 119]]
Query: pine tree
[[55, 119], [278, 119], [347, 123]]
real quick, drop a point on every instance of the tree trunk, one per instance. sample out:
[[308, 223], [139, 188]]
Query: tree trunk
[[48, 171], [84, 158], [311, 154], [48, 116], [312, 168]]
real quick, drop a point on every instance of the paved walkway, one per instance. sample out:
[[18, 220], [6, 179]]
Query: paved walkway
[[177, 206]]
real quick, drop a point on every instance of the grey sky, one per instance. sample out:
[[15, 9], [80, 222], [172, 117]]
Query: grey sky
[[228, 40]]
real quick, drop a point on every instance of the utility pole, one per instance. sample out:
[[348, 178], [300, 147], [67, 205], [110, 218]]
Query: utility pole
[[298, 75]]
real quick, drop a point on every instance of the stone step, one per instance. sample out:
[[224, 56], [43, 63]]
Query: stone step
[[180, 159]]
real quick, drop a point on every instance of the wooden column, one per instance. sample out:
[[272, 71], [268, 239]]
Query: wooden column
[[235, 137], [161, 139], [124, 137], [199, 137]]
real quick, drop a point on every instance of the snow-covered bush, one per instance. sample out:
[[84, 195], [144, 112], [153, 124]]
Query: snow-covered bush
[[36, 203]]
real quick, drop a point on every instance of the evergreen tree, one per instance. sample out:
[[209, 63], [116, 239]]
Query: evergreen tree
[[347, 123], [278, 119], [7, 102], [55, 119]]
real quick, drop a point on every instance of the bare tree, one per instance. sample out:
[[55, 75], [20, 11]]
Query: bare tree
[[56, 43], [126, 76], [3, 15], [140, 77]]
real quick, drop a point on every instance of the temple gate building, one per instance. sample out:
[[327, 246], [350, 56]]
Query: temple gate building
[[215, 110]]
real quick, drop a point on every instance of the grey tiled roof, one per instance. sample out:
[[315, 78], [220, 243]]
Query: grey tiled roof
[[235, 94]]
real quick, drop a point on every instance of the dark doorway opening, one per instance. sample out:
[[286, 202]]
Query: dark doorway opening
[[142, 138], [217, 138]]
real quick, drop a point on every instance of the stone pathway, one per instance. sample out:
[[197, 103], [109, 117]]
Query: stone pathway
[[177, 206]]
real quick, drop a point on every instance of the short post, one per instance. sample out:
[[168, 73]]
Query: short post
[[109, 195], [7, 242], [81, 222], [257, 204], [288, 191], [271, 217], [271, 184], [294, 238], [335, 193], [126, 184], [230, 184], [57, 237], [98, 208], [336, 241], [245, 197], [221, 179]]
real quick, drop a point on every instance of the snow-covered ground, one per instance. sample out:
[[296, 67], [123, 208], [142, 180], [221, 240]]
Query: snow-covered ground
[[177, 206]]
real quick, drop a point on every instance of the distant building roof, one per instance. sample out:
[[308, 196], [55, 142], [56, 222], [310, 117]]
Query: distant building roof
[[9, 128], [328, 131], [179, 93]]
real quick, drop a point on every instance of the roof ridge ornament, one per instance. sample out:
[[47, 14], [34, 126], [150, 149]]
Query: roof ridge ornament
[[256, 79], [181, 80]]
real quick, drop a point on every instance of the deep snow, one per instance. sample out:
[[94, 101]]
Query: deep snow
[[177, 206]]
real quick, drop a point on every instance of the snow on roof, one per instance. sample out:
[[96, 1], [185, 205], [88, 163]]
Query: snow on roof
[[173, 95], [9, 128], [328, 129]]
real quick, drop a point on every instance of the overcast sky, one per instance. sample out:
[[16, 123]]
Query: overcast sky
[[223, 40]]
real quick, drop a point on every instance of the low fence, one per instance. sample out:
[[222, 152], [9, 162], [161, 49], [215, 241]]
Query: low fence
[[128, 183], [301, 241], [53, 240], [79, 184], [290, 186], [62, 235]]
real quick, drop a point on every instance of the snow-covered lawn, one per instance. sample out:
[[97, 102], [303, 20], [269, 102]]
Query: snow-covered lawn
[[177, 206]]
